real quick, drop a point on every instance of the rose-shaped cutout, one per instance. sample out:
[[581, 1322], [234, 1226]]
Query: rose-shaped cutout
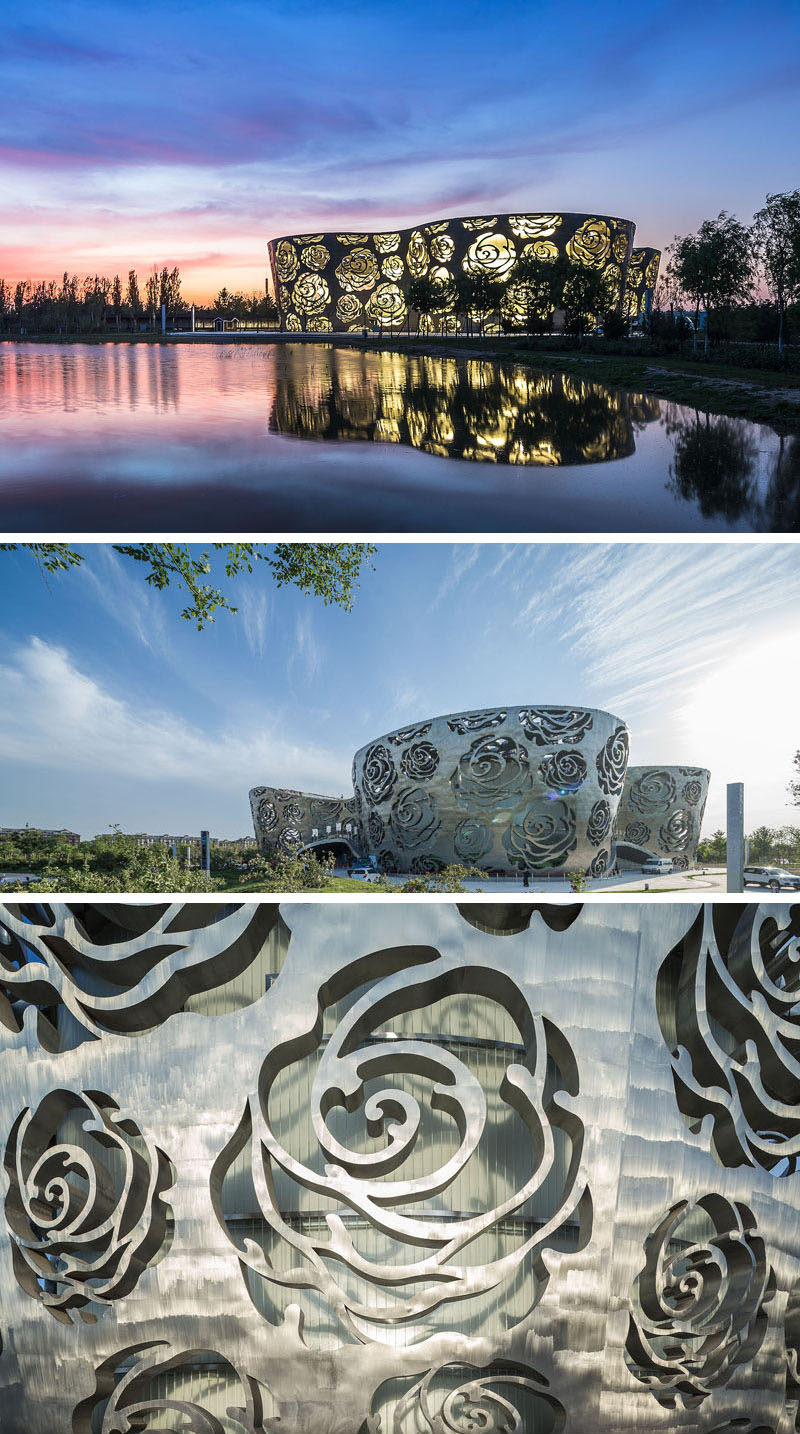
[[508, 1398], [590, 244], [414, 817], [729, 1010], [379, 773], [494, 771], [379, 1077], [653, 793], [675, 834], [85, 1208], [547, 726], [542, 837], [699, 1305], [472, 839], [419, 762], [492, 254], [612, 762], [599, 823], [563, 771], [358, 270]]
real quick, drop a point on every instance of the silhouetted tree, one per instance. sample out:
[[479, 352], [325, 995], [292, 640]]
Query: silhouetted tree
[[776, 229], [715, 267]]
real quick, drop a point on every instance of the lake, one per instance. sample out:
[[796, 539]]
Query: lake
[[286, 437]]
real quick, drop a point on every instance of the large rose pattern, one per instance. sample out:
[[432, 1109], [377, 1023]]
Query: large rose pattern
[[85, 1207], [380, 773], [414, 818], [699, 1309], [612, 762], [386, 1076], [542, 837], [383, 265], [494, 770]]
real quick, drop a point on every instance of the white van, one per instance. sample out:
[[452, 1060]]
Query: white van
[[657, 866]]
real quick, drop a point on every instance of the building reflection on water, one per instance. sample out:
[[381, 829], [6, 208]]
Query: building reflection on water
[[457, 408]]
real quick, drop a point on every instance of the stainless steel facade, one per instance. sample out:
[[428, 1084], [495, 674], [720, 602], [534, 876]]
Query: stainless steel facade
[[400, 1167]]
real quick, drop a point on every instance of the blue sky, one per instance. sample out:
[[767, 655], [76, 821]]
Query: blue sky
[[113, 710], [189, 133]]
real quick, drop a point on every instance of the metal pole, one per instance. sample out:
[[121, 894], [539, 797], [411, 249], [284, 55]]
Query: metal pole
[[163, 318], [205, 853], [735, 836]]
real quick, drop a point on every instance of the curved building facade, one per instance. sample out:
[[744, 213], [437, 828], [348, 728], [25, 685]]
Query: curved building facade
[[343, 282], [509, 789], [381, 1169], [289, 821], [661, 812]]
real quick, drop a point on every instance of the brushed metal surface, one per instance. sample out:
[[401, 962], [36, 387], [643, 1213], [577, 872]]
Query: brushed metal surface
[[441, 1174]]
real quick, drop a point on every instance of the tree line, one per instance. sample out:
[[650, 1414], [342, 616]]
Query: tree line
[[98, 304], [724, 265], [767, 846]]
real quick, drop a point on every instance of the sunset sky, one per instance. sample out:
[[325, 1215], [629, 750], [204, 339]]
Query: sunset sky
[[189, 134]]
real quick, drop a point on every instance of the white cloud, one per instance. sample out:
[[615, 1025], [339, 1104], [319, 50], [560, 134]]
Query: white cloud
[[55, 716]]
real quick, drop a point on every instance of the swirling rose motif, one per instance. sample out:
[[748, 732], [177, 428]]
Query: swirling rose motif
[[352, 238], [392, 268], [150, 957], [357, 270], [286, 263], [310, 238], [293, 811], [484, 223], [676, 832], [426, 864], [652, 793], [442, 248], [290, 840], [612, 762], [293, 324], [409, 734], [264, 809], [311, 294], [471, 839], [493, 770], [692, 792], [542, 250], [318, 324], [417, 257], [599, 823], [541, 837], [548, 725], [651, 277], [376, 829], [698, 1309], [476, 721], [375, 1075], [145, 1384], [414, 818], [590, 244], [599, 863], [729, 1010], [620, 245], [534, 226], [348, 308], [459, 1398], [379, 773], [328, 809], [386, 243], [638, 833], [563, 771], [387, 305], [490, 254], [85, 1208], [419, 762], [315, 256]]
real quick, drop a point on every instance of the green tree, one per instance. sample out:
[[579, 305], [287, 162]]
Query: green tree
[[794, 782], [714, 849], [584, 297], [715, 267], [133, 298], [328, 571], [776, 229], [761, 844]]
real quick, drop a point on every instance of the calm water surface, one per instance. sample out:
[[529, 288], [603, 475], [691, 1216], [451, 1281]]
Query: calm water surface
[[311, 438]]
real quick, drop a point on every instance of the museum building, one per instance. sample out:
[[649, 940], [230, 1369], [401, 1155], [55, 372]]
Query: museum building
[[506, 789], [346, 283]]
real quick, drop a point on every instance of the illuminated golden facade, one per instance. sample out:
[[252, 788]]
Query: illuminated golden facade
[[343, 283]]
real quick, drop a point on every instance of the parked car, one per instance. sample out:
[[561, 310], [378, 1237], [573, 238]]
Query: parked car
[[657, 866], [772, 876], [365, 870]]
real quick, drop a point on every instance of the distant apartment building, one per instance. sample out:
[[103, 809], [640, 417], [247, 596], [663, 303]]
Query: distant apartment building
[[72, 838]]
